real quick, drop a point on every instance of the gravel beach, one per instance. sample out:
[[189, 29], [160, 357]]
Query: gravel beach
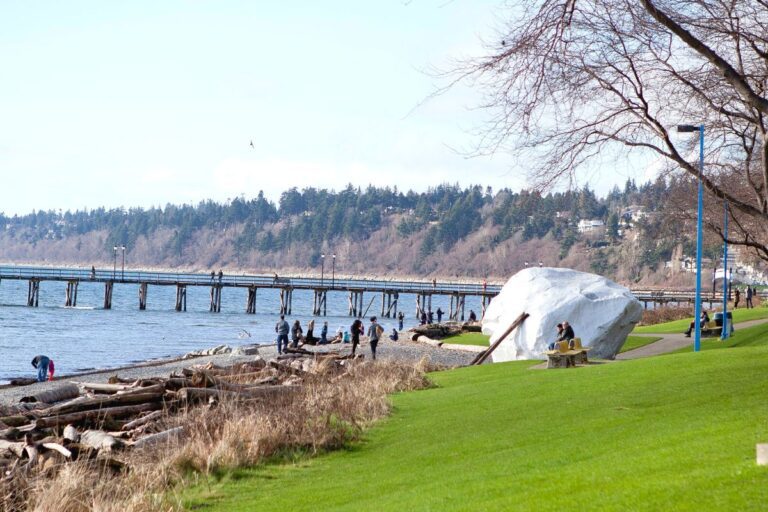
[[400, 350]]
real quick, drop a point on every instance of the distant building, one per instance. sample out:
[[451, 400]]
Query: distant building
[[588, 226]]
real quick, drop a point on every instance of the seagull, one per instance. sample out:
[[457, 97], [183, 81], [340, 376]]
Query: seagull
[[252, 146], [243, 334]]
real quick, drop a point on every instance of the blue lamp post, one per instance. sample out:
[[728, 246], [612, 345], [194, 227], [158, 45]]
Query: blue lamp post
[[725, 331], [688, 128]]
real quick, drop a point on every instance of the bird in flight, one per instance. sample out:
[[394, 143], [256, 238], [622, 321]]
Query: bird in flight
[[252, 146]]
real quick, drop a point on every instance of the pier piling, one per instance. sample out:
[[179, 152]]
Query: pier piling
[[250, 304], [181, 297], [108, 294], [71, 294], [215, 298], [34, 293], [143, 296]]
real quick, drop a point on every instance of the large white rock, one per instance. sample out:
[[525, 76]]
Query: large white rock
[[601, 312]]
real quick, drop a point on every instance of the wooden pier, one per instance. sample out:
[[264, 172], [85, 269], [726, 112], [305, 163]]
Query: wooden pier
[[361, 293], [357, 290]]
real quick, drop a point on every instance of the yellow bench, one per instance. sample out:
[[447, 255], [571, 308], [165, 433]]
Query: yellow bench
[[711, 329], [564, 357]]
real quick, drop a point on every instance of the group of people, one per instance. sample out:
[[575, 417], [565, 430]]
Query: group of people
[[357, 329], [45, 367], [564, 333], [427, 317], [749, 294]]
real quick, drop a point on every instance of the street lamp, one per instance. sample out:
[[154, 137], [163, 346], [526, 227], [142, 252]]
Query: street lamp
[[724, 331], [689, 128], [322, 268], [114, 264], [333, 270], [122, 275]]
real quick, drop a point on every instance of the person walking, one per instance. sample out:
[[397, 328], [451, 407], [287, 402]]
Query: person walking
[[356, 329], [439, 315], [736, 298], [282, 328], [296, 332], [400, 318], [374, 332], [430, 317], [41, 363], [324, 334], [749, 297], [423, 317]]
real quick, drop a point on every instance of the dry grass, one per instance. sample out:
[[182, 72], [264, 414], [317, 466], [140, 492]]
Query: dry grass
[[328, 412], [665, 314]]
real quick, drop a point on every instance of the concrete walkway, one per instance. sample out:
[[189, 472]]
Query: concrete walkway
[[671, 342]]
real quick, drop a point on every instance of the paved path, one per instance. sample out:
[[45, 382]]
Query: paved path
[[671, 342]]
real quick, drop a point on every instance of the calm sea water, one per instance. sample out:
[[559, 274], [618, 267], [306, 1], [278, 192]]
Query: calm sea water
[[88, 336]]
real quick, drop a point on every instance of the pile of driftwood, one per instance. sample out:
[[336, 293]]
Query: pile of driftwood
[[85, 420], [435, 334]]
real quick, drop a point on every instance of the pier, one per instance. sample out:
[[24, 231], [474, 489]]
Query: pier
[[361, 293]]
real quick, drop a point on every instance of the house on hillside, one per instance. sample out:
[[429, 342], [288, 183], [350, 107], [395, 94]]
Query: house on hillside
[[590, 226]]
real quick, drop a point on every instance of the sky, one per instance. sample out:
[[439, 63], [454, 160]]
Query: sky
[[140, 104]]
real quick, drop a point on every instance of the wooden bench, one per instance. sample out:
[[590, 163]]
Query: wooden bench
[[711, 329], [564, 357]]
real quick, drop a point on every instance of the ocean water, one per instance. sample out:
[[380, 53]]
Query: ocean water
[[88, 337]]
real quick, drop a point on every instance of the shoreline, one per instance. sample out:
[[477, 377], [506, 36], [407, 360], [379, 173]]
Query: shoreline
[[401, 350]]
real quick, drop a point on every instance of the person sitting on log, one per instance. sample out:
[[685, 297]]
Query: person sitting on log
[[394, 336], [310, 338], [41, 363], [472, 316], [296, 334], [703, 321]]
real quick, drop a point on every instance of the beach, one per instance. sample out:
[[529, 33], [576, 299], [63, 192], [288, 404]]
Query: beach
[[398, 350]]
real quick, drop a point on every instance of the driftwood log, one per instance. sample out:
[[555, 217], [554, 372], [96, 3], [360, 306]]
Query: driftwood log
[[159, 438], [96, 414], [154, 415], [57, 394], [100, 440]]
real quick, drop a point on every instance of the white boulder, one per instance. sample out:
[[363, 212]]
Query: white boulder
[[601, 312]]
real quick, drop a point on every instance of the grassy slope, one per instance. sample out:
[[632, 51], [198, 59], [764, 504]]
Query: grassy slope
[[634, 342], [756, 335], [674, 432], [469, 338], [677, 326]]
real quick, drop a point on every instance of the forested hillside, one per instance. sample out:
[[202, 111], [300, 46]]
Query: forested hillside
[[446, 231]]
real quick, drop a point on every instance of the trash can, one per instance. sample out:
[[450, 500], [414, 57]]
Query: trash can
[[719, 320]]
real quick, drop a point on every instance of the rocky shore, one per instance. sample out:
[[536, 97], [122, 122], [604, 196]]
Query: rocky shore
[[399, 350]]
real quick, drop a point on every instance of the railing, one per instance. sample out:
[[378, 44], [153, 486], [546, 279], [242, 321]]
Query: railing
[[245, 280]]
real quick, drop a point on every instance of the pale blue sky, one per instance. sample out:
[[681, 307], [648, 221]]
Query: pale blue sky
[[143, 103]]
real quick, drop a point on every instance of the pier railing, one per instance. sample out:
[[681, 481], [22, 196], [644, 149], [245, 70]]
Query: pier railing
[[246, 280]]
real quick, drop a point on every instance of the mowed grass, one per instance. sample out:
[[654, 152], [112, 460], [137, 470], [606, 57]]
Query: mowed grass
[[668, 433], [469, 338], [634, 342], [678, 326], [757, 335]]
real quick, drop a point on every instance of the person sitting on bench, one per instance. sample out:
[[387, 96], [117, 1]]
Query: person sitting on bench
[[703, 321], [564, 333]]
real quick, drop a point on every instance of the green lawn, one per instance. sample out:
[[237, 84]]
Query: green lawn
[[739, 315], [757, 335], [469, 338], [667, 433], [634, 342]]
